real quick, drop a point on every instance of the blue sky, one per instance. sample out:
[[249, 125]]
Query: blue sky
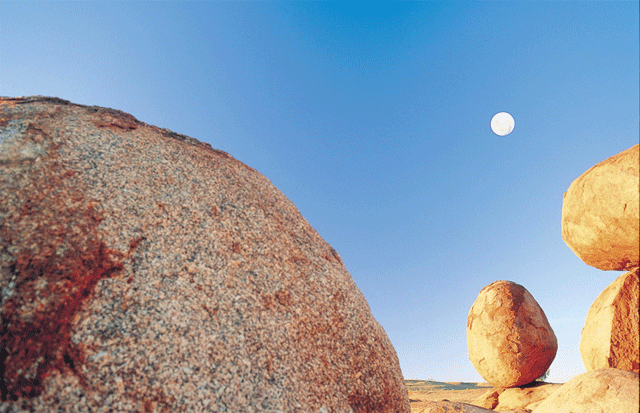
[[374, 120]]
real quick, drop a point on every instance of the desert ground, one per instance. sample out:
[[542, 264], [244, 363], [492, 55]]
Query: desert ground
[[421, 391]]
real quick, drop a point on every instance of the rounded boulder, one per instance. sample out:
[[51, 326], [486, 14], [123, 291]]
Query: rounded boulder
[[610, 334], [600, 217], [509, 338], [143, 270]]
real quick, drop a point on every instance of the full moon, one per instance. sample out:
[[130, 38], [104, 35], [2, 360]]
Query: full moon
[[502, 123]]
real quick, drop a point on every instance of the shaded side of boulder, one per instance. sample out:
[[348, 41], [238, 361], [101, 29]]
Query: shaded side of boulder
[[610, 335], [600, 213], [142, 270], [509, 338], [596, 391]]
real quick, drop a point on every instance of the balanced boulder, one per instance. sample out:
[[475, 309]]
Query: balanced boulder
[[509, 338], [600, 215], [610, 334], [596, 391], [142, 270]]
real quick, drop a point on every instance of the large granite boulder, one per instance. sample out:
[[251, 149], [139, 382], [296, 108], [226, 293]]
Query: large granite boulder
[[509, 337], [596, 391], [610, 334], [600, 213], [142, 270]]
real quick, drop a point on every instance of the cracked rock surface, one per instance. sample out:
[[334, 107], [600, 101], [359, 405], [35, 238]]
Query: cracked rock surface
[[509, 338], [610, 335]]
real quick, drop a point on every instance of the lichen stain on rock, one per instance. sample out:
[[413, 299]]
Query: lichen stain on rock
[[55, 258], [35, 341], [116, 119]]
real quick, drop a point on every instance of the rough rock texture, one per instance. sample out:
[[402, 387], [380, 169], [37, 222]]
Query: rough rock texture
[[489, 400], [509, 337], [526, 396], [610, 334], [596, 391], [141, 270], [600, 213]]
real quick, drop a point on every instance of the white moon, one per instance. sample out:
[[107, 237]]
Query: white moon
[[502, 124]]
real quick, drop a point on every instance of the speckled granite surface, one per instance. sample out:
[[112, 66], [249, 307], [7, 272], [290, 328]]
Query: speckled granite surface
[[142, 270]]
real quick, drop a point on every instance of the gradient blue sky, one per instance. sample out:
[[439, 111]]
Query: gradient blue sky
[[373, 118]]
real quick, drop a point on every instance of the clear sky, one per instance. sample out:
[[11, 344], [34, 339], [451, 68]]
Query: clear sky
[[373, 118]]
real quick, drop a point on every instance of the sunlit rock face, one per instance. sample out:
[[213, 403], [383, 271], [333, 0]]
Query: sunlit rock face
[[596, 391], [600, 217], [142, 270], [524, 397], [509, 337], [610, 334]]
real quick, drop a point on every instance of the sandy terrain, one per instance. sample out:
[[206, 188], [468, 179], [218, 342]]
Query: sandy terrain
[[421, 391]]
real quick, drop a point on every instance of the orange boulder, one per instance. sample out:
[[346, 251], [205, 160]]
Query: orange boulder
[[610, 334], [596, 391], [509, 337], [600, 213]]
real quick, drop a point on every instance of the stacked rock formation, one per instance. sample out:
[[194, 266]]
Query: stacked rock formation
[[142, 270], [509, 338], [510, 346], [600, 221]]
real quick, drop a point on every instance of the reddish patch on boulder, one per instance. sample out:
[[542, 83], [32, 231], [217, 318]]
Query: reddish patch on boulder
[[194, 323], [57, 263], [33, 346]]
